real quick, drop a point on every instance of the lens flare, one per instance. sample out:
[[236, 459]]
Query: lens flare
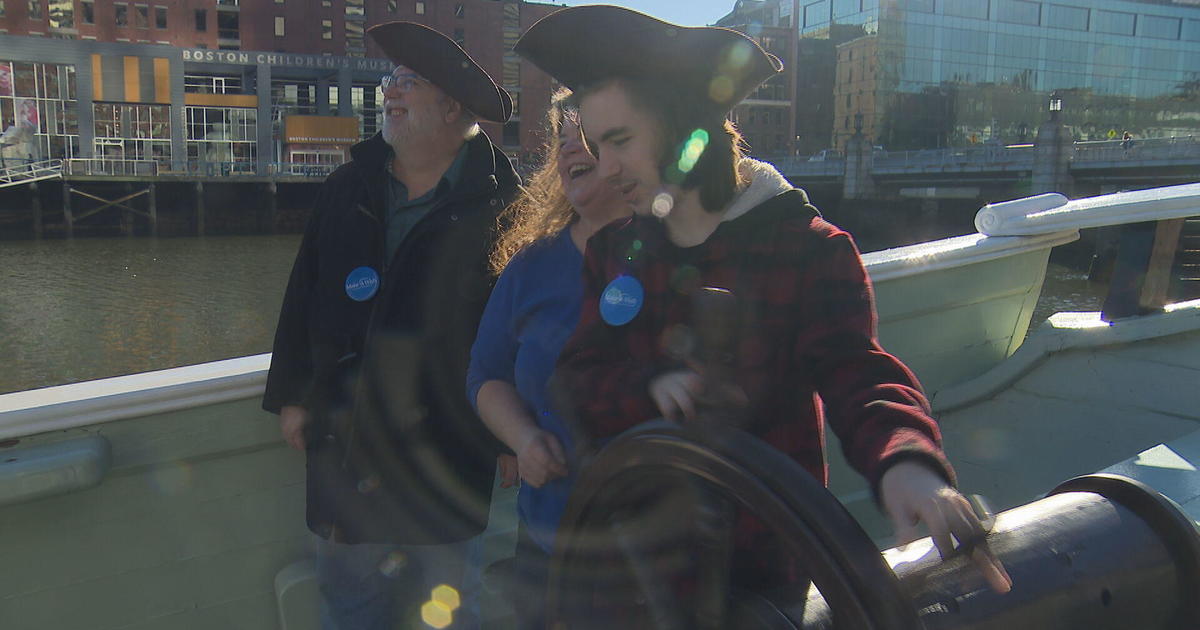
[[436, 614], [720, 89], [393, 564], [663, 202], [445, 594]]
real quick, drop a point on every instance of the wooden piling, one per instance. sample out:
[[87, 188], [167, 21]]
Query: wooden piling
[[199, 208], [272, 207], [36, 206], [152, 201]]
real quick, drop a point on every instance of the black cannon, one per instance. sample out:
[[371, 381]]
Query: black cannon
[[644, 544]]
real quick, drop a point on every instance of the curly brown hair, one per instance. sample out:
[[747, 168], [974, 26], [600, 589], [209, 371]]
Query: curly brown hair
[[543, 209]]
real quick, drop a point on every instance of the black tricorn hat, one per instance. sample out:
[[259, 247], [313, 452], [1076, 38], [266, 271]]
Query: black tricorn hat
[[445, 64], [583, 45]]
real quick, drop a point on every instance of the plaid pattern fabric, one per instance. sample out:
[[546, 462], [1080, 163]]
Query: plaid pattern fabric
[[806, 347]]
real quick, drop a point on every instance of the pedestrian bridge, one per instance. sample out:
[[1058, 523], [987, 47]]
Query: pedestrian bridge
[[1085, 157]]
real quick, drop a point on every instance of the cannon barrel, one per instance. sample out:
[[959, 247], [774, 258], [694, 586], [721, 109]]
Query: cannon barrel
[[1100, 552]]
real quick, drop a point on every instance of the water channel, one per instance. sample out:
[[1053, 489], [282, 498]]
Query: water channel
[[76, 310]]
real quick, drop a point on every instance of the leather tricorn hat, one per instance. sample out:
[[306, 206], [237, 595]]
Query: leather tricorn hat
[[581, 46], [445, 64]]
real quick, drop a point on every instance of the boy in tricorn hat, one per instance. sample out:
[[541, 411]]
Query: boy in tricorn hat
[[654, 98], [374, 340]]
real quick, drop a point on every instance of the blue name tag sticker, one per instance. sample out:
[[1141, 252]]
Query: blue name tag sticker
[[362, 283], [621, 300]]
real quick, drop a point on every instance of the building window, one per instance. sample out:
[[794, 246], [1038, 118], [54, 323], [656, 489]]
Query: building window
[[160, 17], [1113, 22], [1159, 27], [1074, 18], [924, 6], [391, 6], [141, 16], [2, 12], [222, 134], [842, 8], [62, 14], [420, 8], [278, 1], [201, 20], [459, 10], [122, 14], [1019, 12], [326, 29], [1191, 30], [354, 8], [816, 13], [35, 9], [460, 37], [87, 12], [279, 26], [132, 132], [977, 9], [326, 3], [512, 133]]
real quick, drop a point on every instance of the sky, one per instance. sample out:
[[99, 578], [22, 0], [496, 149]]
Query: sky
[[684, 12]]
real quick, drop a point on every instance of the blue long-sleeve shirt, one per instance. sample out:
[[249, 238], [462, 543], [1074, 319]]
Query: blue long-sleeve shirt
[[530, 315]]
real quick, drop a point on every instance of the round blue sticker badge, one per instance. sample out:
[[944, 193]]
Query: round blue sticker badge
[[362, 283], [621, 300]]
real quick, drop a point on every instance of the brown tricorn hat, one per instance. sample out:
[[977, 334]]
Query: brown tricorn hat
[[445, 64], [581, 46]]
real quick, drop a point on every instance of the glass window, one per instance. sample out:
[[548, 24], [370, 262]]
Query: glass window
[[201, 20], [160, 17], [1019, 12], [1074, 18], [326, 3], [391, 6], [1160, 27], [420, 8], [967, 8], [354, 7], [278, 1], [141, 16], [87, 12], [1113, 22], [816, 13], [227, 25], [842, 8], [122, 14], [35, 9], [326, 29], [1191, 30], [279, 26], [459, 11], [62, 14], [2, 12], [924, 6]]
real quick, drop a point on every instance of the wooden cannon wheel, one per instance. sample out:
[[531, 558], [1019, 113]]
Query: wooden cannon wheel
[[642, 520]]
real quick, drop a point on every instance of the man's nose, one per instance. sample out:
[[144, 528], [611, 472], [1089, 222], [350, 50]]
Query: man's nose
[[608, 166]]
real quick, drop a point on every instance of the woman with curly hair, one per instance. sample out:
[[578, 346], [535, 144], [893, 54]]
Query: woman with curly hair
[[531, 313]]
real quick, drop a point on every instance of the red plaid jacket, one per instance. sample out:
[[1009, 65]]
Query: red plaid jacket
[[806, 350]]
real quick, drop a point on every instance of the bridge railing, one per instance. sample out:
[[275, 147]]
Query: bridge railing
[[804, 167], [110, 166], [1137, 149], [927, 159]]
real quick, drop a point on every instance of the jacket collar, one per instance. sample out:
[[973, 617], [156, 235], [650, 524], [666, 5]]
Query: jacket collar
[[482, 170]]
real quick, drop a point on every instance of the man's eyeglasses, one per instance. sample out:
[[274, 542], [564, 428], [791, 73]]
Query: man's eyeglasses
[[401, 82]]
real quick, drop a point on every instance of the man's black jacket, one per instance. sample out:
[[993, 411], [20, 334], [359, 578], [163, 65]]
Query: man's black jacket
[[394, 451]]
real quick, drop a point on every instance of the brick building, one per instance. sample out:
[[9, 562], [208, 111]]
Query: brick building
[[291, 36]]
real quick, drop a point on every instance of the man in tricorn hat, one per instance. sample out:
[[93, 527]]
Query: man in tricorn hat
[[654, 98], [374, 337]]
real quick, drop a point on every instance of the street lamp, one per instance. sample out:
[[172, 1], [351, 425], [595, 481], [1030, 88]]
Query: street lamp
[[1055, 105]]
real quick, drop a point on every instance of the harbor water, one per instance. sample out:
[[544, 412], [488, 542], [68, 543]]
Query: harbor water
[[88, 308]]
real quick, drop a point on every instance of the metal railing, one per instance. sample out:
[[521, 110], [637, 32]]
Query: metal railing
[[1177, 148], [30, 172], [804, 166], [992, 156], [110, 166]]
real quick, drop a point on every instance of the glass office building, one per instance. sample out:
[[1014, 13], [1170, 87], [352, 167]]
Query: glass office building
[[915, 74]]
